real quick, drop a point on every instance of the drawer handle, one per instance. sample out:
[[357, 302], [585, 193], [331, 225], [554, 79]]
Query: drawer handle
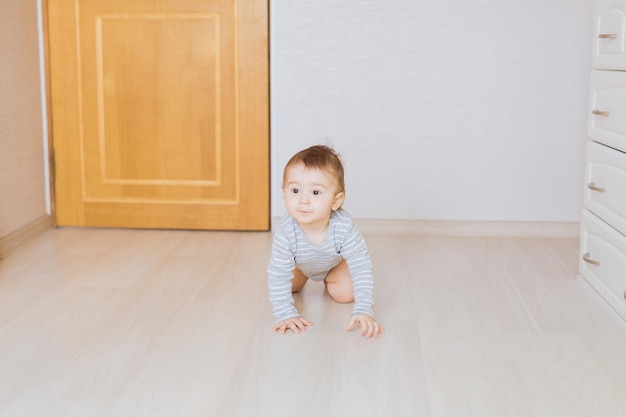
[[607, 36], [594, 187], [601, 113], [587, 258]]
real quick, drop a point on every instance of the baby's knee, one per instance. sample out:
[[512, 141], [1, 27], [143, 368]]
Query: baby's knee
[[342, 296], [344, 299]]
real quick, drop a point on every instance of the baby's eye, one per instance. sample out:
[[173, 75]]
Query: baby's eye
[[316, 192], [295, 191]]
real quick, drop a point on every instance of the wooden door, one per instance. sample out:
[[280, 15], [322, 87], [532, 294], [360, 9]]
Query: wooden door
[[160, 113]]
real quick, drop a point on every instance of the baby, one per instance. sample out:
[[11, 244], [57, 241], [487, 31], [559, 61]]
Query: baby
[[318, 240]]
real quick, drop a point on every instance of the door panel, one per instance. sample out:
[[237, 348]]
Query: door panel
[[160, 113]]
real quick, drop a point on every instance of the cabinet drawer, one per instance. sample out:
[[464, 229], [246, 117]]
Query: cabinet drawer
[[603, 261], [607, 112], [605, 185], [608, 45]]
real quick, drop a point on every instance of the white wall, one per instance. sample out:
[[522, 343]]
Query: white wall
[[442, 109]]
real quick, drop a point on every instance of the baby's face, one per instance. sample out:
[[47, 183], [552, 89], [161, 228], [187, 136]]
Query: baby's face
[[311, 195]]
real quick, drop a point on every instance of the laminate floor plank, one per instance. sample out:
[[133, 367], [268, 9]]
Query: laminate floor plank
[[105, 322]]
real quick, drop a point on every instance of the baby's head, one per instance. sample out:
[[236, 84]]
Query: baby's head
[[322, 158]]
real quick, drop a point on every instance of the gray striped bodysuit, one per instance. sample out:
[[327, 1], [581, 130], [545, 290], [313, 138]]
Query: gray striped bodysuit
[[291, 248]]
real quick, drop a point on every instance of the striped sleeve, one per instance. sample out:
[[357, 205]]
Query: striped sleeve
[[280, 273], [354, 250]]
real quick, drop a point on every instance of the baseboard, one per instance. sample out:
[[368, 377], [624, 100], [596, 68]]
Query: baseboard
[[13, 240], [469, 228], [466, 228]]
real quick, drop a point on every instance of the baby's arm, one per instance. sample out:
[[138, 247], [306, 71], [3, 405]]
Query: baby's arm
[[354, 250], [280, 274]]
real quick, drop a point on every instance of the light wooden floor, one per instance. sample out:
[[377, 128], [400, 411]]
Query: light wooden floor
[[155, 323]]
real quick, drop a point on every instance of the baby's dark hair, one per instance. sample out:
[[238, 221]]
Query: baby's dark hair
[[319, 157]]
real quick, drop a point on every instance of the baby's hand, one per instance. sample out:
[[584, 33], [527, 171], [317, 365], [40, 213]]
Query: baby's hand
[[369, 327], [296, 324]]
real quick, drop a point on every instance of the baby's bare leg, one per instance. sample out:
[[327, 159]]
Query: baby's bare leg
[[298, 280], [339, 283]]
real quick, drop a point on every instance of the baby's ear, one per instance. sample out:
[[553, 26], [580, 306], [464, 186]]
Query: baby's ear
[[338, 201]]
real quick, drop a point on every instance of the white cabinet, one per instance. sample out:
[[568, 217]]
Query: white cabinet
[[607, 112], [602, 263], [609, 28], [605, 185]]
